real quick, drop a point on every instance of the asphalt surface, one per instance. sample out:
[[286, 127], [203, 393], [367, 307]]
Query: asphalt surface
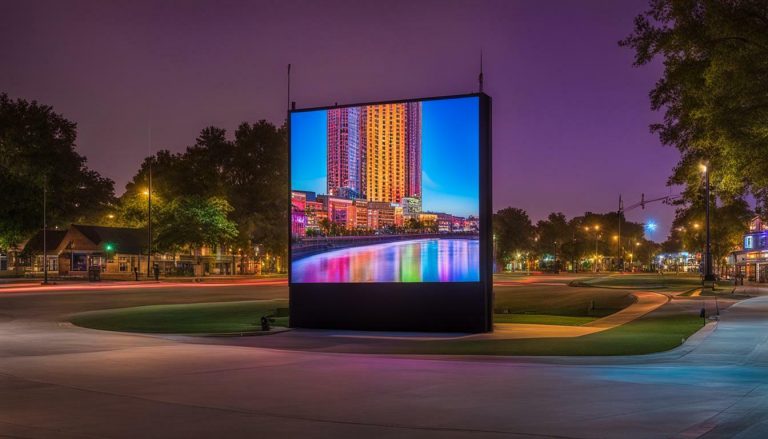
[[61, 381]]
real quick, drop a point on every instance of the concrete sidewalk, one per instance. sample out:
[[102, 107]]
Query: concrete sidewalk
[[646, 301], [751, 290]]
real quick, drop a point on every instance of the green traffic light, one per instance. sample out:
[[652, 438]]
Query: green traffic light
[[108, 247]]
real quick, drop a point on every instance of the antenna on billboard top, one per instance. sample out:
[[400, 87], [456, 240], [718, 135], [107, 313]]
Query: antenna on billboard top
[[289, 87], [480, 77]]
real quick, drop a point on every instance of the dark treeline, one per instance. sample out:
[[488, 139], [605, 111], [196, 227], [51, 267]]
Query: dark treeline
[[220, 191], [584, 242]]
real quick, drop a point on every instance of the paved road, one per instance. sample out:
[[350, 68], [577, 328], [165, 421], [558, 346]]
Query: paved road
[[59, 381]]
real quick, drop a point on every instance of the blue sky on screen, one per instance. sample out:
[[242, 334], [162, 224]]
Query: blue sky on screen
[[450, 156]]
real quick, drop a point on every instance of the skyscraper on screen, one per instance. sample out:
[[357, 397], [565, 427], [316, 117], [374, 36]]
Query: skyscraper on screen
[[344, 152], [374, 152]]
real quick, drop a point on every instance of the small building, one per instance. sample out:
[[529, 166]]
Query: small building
[[121, 250], [35, 249], [751, 261], [113, 249]]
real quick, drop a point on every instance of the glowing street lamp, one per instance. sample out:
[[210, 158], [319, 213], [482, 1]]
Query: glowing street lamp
[[148, 193], [596, 228], [708, 276]]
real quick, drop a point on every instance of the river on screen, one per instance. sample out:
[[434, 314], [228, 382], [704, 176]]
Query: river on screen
[[423, 260]]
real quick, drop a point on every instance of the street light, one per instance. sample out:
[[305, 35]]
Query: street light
[[148, 194], [45, 230], [596, 228], [708, 276]]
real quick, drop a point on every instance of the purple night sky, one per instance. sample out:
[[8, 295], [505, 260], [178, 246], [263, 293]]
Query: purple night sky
[[570, 116]]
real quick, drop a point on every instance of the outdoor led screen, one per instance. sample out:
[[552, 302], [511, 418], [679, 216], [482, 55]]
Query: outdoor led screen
[[387, 192]]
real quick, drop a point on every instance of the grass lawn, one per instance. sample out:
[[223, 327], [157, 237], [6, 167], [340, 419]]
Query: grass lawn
[[645, 335], [561, 301], [543, 319], [653, 333], [223, 317], [654, 281]]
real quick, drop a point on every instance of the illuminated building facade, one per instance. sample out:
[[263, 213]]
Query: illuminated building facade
[[413, 150], [374, 152], [393, 151], [345, 152], [751, 261]]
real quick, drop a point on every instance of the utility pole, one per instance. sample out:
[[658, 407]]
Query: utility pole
[[641, 204]]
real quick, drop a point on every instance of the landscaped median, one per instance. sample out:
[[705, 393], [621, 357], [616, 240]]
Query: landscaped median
[[196, 318], [646, 281], [656, 331], [648, 334]]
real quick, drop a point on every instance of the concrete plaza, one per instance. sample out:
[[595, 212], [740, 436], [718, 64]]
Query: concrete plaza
[[61, 381]]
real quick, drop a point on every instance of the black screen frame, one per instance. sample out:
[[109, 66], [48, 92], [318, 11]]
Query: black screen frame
[[405, 306]]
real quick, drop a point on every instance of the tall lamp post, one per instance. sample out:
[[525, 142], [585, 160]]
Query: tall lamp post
[[148, 193], [708, 276], [596, 228], [45, 231]]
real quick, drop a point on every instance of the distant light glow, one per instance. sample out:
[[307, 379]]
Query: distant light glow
[[650, 226]]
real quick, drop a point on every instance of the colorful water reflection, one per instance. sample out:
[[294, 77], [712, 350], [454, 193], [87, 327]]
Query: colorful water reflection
[[423, 260]]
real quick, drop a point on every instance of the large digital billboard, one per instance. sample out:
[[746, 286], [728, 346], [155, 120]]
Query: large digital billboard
[[386, 192], [389, 206]]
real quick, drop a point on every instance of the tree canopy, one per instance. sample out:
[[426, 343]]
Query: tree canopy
[[714, 90], [195, 221], [513, 232], [242, 182], [37, 150], [728, 224]]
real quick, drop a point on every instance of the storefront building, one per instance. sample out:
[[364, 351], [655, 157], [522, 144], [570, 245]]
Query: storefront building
[[751, 261]]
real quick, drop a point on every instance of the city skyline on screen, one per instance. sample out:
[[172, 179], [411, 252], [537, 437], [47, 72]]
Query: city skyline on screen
[[436, 159]]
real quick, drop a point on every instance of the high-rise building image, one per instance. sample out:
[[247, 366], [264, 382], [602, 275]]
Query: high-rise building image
[[345, 152], [413, 149], [374, 152]]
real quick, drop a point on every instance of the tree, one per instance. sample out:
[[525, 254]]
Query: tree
[[414, 225], [712, 91], [512, 233], [194, 222], [37, 150], [257, 185], [249, 173], [552, 233], [728, 224]]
